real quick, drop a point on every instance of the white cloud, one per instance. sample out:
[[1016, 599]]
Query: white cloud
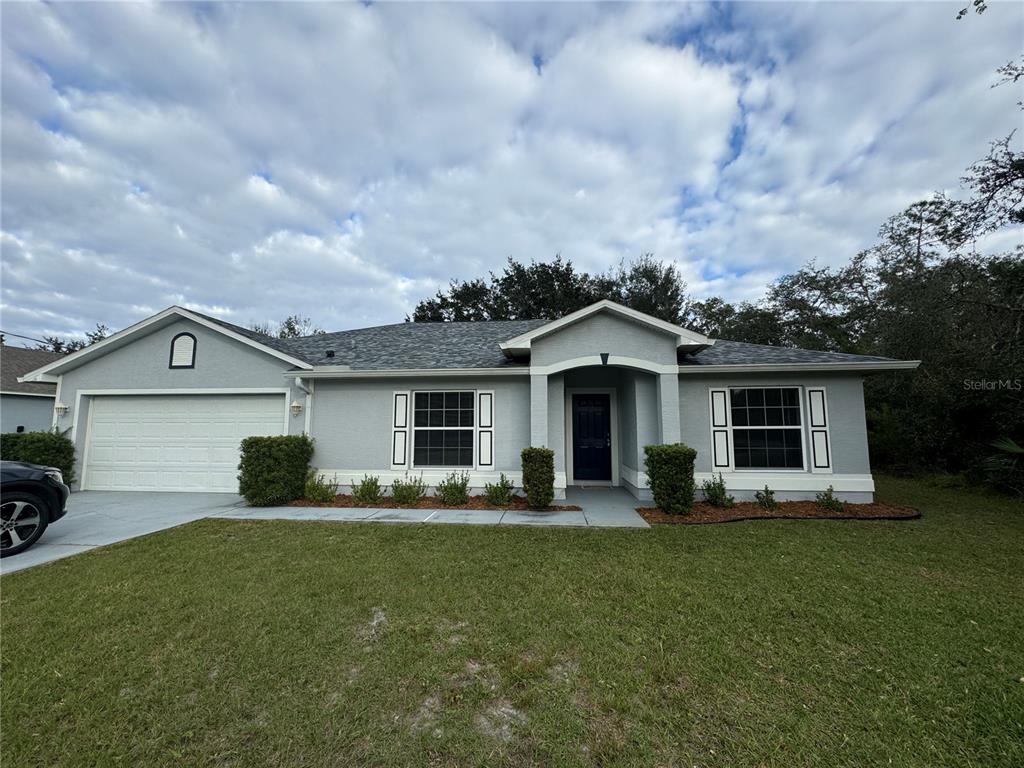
[[345, 161]]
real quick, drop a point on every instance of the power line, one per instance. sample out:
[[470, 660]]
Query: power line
[[19, 336]]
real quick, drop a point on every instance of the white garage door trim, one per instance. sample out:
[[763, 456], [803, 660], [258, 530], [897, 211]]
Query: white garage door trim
[[283, 392]]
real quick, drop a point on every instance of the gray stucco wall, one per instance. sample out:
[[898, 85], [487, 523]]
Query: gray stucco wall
[[220, 363], [845, 397], [33, 413], [604, 332], [351, 420]]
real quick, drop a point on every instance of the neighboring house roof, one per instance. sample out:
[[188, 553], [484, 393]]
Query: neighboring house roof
[[17, 361]]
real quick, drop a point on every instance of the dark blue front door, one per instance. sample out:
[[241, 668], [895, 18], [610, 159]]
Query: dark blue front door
[[591, 437]]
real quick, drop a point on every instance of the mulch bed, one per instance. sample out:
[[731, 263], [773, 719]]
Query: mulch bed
[[432, 502], [705, 514]]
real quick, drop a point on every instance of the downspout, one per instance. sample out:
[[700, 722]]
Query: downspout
[[309, 402]]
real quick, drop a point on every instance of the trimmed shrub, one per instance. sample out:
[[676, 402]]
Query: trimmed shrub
[[319, 490], [51, 449], [499, 494], [715, 493], [368, 490], [454, 489], [273, 470], [670, 475], [408, 492], [766, 499], [827, 499], [539, 476]]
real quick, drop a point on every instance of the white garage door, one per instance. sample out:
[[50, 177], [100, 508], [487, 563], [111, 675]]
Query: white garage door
[[174, 443]]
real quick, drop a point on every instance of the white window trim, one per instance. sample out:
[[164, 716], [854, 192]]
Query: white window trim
[[802, 427], [476, 432]]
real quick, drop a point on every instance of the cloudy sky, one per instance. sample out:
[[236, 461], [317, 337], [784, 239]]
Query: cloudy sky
[[345, 161]]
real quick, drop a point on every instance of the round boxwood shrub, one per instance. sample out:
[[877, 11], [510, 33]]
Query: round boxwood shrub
[[670, 475], [539, 476], [273, 470]]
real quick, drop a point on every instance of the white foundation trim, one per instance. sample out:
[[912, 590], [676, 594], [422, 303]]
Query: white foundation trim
[[430, 477], [777, 481]]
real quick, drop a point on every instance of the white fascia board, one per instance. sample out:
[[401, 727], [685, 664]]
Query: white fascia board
[[115, 340], [866, 367], [45, 378], [684, 337], [28, 394], [341, 372]]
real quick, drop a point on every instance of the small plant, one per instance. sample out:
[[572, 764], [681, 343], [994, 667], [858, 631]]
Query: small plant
[[368, 490], [827, 499], [670, 475], [538, 476], [715, 493], [454, 489], [766, 499], [499, 494], [318, 489], [408, 492]]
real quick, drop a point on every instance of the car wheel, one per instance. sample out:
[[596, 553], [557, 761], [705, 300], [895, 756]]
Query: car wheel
[[23, 519]]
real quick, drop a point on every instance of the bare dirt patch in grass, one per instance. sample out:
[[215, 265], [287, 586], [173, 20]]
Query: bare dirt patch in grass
[[499, 720], [518, 504], [703, 513]]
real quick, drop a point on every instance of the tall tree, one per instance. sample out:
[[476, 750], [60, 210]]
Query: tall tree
[[292, 327], [64, 346]]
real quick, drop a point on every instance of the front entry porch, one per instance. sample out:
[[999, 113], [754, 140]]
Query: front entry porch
[[598, 418]]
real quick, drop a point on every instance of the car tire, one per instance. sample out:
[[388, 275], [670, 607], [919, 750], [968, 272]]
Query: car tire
[[16, 536]]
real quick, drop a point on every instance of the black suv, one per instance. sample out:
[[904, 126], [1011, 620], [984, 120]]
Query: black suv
[[31, 497]]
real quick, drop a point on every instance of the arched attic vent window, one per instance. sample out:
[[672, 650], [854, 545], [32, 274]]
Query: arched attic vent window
[[183, 351]]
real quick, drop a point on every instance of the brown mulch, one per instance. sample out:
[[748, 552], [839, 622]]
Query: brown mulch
[[704, 514], [432, 502]]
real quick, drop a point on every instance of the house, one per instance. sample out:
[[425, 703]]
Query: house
[[162, 405], [24, 406]]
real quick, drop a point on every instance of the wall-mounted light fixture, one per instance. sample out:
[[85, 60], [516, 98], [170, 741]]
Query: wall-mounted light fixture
[[296, 407], [60, 408]]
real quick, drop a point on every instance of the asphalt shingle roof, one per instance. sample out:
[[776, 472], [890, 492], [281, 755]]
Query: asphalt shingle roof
[[416, 345], [476, 345], [17, 361], [740, 353]]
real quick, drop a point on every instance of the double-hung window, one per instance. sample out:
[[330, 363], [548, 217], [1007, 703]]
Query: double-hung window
[[443, 429], [766, 428]]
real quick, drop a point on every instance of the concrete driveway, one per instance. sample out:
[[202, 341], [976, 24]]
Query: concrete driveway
[[97, 518]]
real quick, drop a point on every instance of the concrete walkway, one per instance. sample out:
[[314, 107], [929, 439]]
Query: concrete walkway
[[602, 508]]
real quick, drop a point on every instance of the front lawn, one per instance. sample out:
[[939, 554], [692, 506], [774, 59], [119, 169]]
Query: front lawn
[[781, 643]]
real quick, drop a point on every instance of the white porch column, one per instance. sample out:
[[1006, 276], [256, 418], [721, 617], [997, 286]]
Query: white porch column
[[538, 410], [668, 408]]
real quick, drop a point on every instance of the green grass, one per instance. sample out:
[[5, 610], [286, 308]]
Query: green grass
[[787, 643]]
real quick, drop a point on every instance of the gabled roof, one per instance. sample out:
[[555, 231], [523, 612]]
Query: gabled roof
[[250, 338], [686, 340], [17, 361]]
